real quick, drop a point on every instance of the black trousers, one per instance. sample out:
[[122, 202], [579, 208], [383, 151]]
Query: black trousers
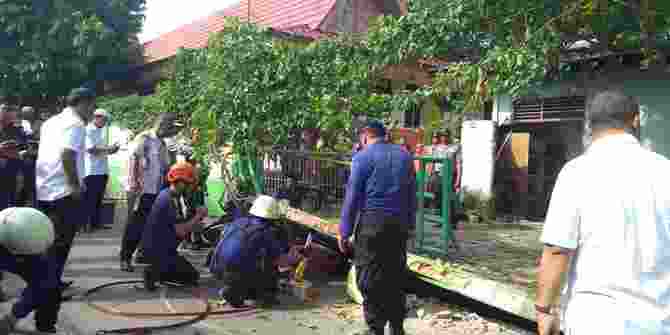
[[380, 256], [132, 234], [239, 285], [436, 203], [95, 192], [66, 218], [27, 193], [29, 268], [178, 271]]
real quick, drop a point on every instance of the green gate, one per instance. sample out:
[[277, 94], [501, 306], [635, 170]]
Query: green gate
[[427, 240]]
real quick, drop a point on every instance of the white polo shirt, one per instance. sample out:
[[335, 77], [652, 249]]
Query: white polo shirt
[[612, 204], [63, 131], [95, 165]]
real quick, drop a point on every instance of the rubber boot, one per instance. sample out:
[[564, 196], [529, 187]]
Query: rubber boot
[[233, 299], [149, 280]]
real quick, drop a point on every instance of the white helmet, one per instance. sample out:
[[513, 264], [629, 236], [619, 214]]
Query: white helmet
[[25, 231], [266, 207]]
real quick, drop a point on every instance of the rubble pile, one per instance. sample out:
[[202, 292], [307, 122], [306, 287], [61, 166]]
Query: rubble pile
[[432, 316], [436, 316]]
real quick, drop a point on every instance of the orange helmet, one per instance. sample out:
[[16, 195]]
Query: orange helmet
[[182, 171]]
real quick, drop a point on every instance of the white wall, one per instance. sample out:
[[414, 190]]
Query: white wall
[[478, 147]]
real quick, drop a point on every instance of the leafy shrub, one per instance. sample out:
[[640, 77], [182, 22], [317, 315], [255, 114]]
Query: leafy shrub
[[479, 206]]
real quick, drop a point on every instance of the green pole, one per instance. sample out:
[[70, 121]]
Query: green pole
[[420, 180], [258, 174], [446, 201]]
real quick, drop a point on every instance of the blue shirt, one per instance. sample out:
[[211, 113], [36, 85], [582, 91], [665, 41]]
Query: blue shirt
[[160, 235], [382, 179], [38, 272], [245, 249]]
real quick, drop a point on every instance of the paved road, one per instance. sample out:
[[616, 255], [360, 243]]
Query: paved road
[[94, 262]]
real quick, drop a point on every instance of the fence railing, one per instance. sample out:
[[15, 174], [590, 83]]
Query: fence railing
[[326, 172]]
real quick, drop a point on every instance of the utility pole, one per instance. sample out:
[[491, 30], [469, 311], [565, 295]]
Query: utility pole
[[248, 10]]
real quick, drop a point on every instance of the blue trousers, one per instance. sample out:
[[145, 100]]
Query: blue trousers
[[132, 234]]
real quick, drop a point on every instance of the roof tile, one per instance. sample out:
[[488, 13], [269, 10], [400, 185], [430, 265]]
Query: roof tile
[[303, 16]]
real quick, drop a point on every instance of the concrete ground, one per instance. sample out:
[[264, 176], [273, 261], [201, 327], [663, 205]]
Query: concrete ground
[[94, 261]]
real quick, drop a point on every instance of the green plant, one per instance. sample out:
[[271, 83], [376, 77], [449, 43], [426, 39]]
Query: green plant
[[133, 112], [478, 206], [50, 47]]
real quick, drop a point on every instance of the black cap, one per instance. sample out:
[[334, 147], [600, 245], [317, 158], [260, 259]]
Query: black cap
[[377, 126], [81, 92], [78, 94], [612, 104]]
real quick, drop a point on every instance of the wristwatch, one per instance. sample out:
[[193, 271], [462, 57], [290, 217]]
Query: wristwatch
[[543, 309]]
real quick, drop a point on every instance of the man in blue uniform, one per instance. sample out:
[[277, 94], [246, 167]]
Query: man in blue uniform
[[25, 235], [246, 258], [382, 190], [169, 222]]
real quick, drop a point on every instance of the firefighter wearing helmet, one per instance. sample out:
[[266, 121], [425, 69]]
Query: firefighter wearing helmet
[[249, 253], [25, 235], [169, 222]]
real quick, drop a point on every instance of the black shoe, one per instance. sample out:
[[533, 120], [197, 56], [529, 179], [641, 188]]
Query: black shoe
[[235, 302], [141, 259], [127, 266], [66, 285], [149, 282], [48, 330]]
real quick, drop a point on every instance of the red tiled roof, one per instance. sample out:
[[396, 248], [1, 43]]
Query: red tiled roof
[[297, 16]]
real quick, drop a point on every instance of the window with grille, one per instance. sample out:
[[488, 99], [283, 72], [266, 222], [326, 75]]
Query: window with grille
[[558, 109]]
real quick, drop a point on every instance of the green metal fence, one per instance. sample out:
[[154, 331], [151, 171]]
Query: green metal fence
[[428, 240]]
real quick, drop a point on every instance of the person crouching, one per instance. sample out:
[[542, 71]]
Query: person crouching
[[167, 224], [248, 253]]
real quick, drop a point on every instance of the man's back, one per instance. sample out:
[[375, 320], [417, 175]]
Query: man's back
[[612, 205], [390, 174], [246, 239]]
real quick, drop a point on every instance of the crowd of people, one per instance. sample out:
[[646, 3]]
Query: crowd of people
[[63, 162], [597, 213]]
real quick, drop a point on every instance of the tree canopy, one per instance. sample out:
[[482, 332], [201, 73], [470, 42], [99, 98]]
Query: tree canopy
[[507, 46], [254, 88], [50, 46]]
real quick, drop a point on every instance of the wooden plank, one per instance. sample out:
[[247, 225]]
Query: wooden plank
[[443, 274], [312, 221]]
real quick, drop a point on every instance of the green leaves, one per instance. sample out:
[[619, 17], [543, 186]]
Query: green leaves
[[133, 112], [56, 45]]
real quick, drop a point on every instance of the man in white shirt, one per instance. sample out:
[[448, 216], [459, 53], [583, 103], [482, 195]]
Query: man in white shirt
[[607, 229], [96, 166], [147, 167], [59, 171]]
